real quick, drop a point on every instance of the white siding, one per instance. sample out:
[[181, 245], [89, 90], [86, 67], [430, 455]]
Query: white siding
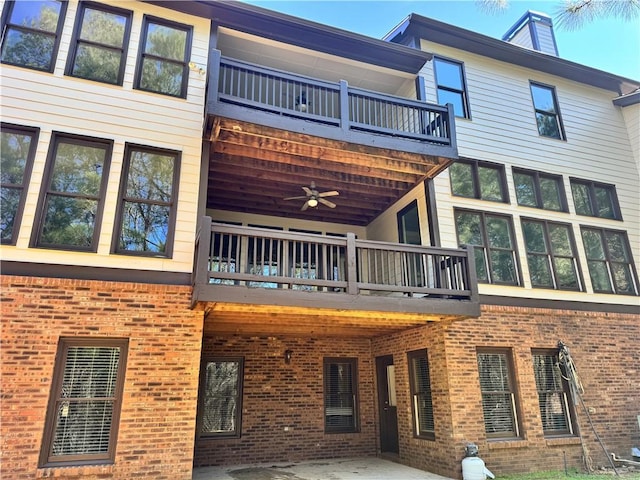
[[545, 38], [631, 116], [55, 102]]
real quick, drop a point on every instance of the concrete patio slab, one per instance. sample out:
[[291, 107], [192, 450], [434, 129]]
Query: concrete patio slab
[[362, 468]]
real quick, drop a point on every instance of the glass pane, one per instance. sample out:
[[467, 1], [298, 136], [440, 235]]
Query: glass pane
[[539, 271], [560, 240], [166, 42], [38, 15], [599, 276], [468, 228], [82, 428], [534, 237], [481, 264], [90, 372], [498, 232], [622, 278], [78, 169], [32, 50], [593, 245], [150, 176], [580, 193], [144, 228], [448, 74], [503, 269], [220, 397], [461, 176], [161, 77], [490, 183], [525, 189], [605, 202], [9, 200], [102, 27], [550, 191], [456, 98], [617, 247], [339, 396], [69, 221], [548, 125], [543, 98], [566, 273], [97, 63], [13, 157]]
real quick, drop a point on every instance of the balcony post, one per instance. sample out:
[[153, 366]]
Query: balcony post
[[472, 277], [203, 248], [345, 118], [451, 127], [212, 87], [352, 272]]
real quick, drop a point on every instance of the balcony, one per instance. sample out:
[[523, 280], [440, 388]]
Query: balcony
[[258, 280]]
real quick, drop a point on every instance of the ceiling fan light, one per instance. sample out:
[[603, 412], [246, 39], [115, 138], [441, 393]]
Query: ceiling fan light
[[312, 202]]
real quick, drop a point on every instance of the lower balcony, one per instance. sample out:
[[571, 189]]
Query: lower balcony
[[262, 281]]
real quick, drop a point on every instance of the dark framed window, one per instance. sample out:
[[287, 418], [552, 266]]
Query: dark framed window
[[499, 402], [146, 216], [16, 161], [340, 395], [72, 195], [31, 33], [551, 255], [420, 385], [451, 85], [221, 397], [494, 245], [409, 232], [163, 61], [595, 199], [610, 262], [84, 407], [539, 190], [99, 45], [547, 111], [556, 404], [474, 179]]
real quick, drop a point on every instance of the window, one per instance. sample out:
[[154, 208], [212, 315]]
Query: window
[[551, 255], [221, 397], [16, 159], [32, 33], [420, 384], [147, 211], [609, 259], [473, 179], [492, 237], [84, 407], [340, 395], [539, 190], [498, 394], [99, 45], [409, 232], [545, 105], [595, 199], [450, 85], [556, 405], [163, 65], [73, 192]]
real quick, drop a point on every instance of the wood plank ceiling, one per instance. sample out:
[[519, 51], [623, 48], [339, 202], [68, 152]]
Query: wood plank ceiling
[[253, 168]]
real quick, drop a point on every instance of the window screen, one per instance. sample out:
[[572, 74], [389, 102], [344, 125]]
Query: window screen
[[221, 397]]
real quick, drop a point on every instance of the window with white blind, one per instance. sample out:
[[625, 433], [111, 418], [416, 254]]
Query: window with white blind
[[340, 395], [420, 384], [556, 406], [221, 397], [498, 394], [84, 408]]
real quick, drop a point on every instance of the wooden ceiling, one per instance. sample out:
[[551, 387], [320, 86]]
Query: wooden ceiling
[[253, 168]]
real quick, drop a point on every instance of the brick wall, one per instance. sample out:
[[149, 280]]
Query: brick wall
[[157, 421], [279, 395]]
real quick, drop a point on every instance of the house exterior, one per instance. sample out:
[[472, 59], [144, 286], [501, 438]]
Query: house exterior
[[234, 236]]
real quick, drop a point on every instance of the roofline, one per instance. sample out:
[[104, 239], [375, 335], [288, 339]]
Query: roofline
[[303, 33], [627, 100], [416, 27]]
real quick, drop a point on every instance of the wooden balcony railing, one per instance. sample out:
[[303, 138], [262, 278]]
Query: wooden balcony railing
[[347, 109], [248, 257]]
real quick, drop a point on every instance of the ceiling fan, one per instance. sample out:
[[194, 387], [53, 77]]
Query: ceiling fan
[[313, 197]]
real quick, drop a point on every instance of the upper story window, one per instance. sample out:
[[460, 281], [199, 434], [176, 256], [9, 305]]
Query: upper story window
[[32, 33], [473, 179], [221, 397], [595, 199], [494, 244], [539, 190], [16, 159], [163, 63], [147, 209], [451, 85], [545, 105], [340, 395], [72, 195], [420, 385], [99, 45]]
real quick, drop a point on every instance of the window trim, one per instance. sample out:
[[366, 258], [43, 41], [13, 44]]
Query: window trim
[[146, 20], [6, 26], [463, 79], [64, 343], [237, 433], [76, 40], [73, 139], [413, 389], [326, 362], [173, 207], [551, 256], [475, 166], [556, 105], [593, 199], [537, 175], [34, 132]]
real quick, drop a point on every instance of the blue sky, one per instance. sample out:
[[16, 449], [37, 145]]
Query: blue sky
[[607, 44]]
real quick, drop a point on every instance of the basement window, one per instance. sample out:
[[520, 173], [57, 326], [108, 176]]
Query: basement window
[[221, 397], [340, 395], [420, 384]]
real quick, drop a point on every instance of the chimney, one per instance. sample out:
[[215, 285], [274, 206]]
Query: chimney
[[534, 30]]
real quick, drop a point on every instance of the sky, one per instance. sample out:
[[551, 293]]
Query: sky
[[608, 44]]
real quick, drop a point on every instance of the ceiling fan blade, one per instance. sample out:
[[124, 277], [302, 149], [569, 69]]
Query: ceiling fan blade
[[327, 203], [295, 198], [332, 193], [305, 206], [307, 191]]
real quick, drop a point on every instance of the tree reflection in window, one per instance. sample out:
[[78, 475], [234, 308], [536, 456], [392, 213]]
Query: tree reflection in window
[[221, 397]]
